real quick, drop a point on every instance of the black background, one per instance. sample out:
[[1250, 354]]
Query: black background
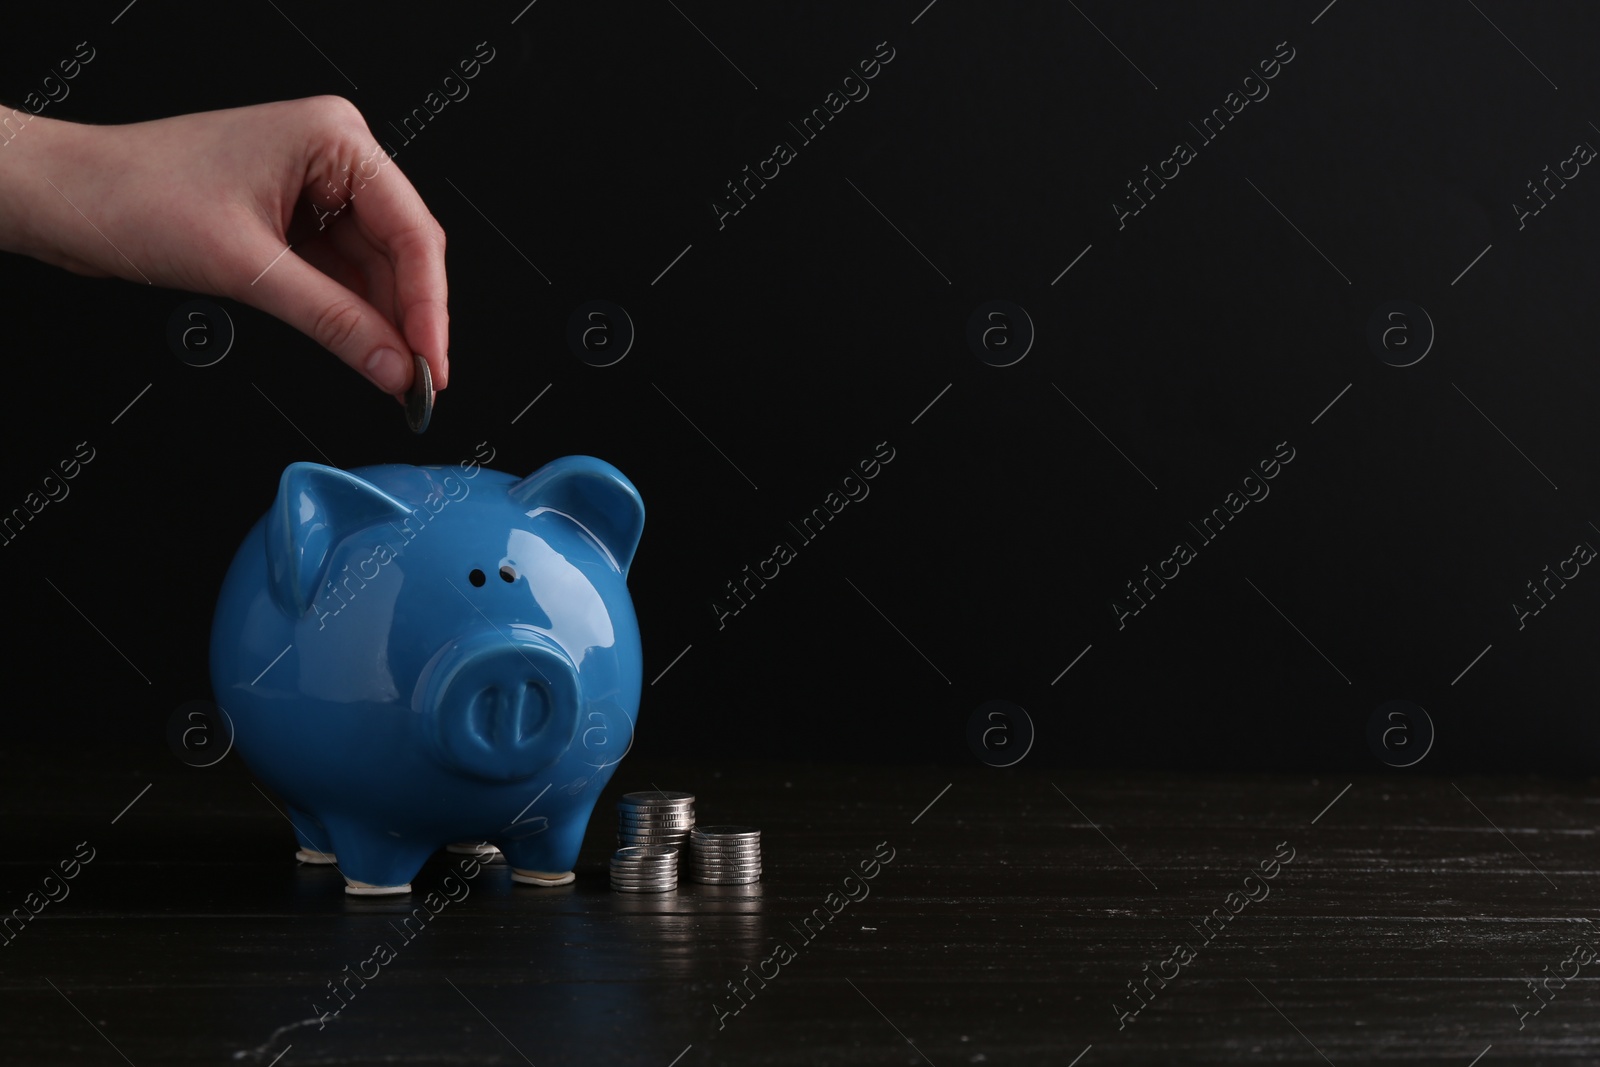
[[808, 330]]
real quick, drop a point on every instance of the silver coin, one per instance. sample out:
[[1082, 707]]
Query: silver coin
[[643, 868], [706, 878], [645, 850], [719, 854], [628, 843], [629, 837], [661, 888], [629, 815], [724, 853], [419, 398], [644, 877], [670, 878], [624, 842], [726, 865], [731, 833], [648, 866], [701, 848], [658, 796], [632, 803]]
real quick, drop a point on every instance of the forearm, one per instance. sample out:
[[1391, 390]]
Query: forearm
[[38, 159]]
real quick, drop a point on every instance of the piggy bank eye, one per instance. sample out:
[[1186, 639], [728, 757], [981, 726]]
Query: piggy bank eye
[[476, 577], [508, 574]]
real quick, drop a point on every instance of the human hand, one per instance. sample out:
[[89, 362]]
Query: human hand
[[290, 207]]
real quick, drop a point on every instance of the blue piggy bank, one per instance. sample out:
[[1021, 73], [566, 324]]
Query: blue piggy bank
[[414, 657]]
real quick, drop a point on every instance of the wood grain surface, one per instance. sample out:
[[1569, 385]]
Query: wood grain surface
[[1014, 915]]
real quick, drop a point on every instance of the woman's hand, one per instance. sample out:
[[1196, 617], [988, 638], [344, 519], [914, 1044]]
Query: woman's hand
[[291, 207]]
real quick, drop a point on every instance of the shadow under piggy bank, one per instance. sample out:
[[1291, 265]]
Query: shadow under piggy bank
[[418, 656]]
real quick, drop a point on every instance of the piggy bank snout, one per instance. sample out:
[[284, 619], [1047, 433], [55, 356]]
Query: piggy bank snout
[[500, 708]]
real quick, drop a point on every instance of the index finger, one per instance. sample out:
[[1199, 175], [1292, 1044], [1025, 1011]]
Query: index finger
[[390, 213]]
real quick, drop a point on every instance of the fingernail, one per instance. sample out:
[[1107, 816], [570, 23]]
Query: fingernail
[[388, 368]]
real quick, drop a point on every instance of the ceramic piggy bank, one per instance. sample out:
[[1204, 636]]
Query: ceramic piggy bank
[[415, 657]]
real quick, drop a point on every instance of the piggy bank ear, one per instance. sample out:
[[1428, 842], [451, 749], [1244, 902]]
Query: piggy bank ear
[[316, 508], [593, 494]]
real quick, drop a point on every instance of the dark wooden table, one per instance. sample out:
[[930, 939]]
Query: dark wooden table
[[1017, 908]]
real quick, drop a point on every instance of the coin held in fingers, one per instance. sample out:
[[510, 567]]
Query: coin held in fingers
[[419, 398]]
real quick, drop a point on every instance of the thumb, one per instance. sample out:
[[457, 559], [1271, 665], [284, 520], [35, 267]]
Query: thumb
[[293, 290]]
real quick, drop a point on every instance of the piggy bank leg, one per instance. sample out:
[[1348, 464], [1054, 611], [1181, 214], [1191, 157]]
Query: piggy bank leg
[[482, 850], [372, 862], [547, 858], [312, 837]]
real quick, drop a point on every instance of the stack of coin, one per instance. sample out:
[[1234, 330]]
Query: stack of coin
[[645, 869], [655, 817], [725, 855]]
